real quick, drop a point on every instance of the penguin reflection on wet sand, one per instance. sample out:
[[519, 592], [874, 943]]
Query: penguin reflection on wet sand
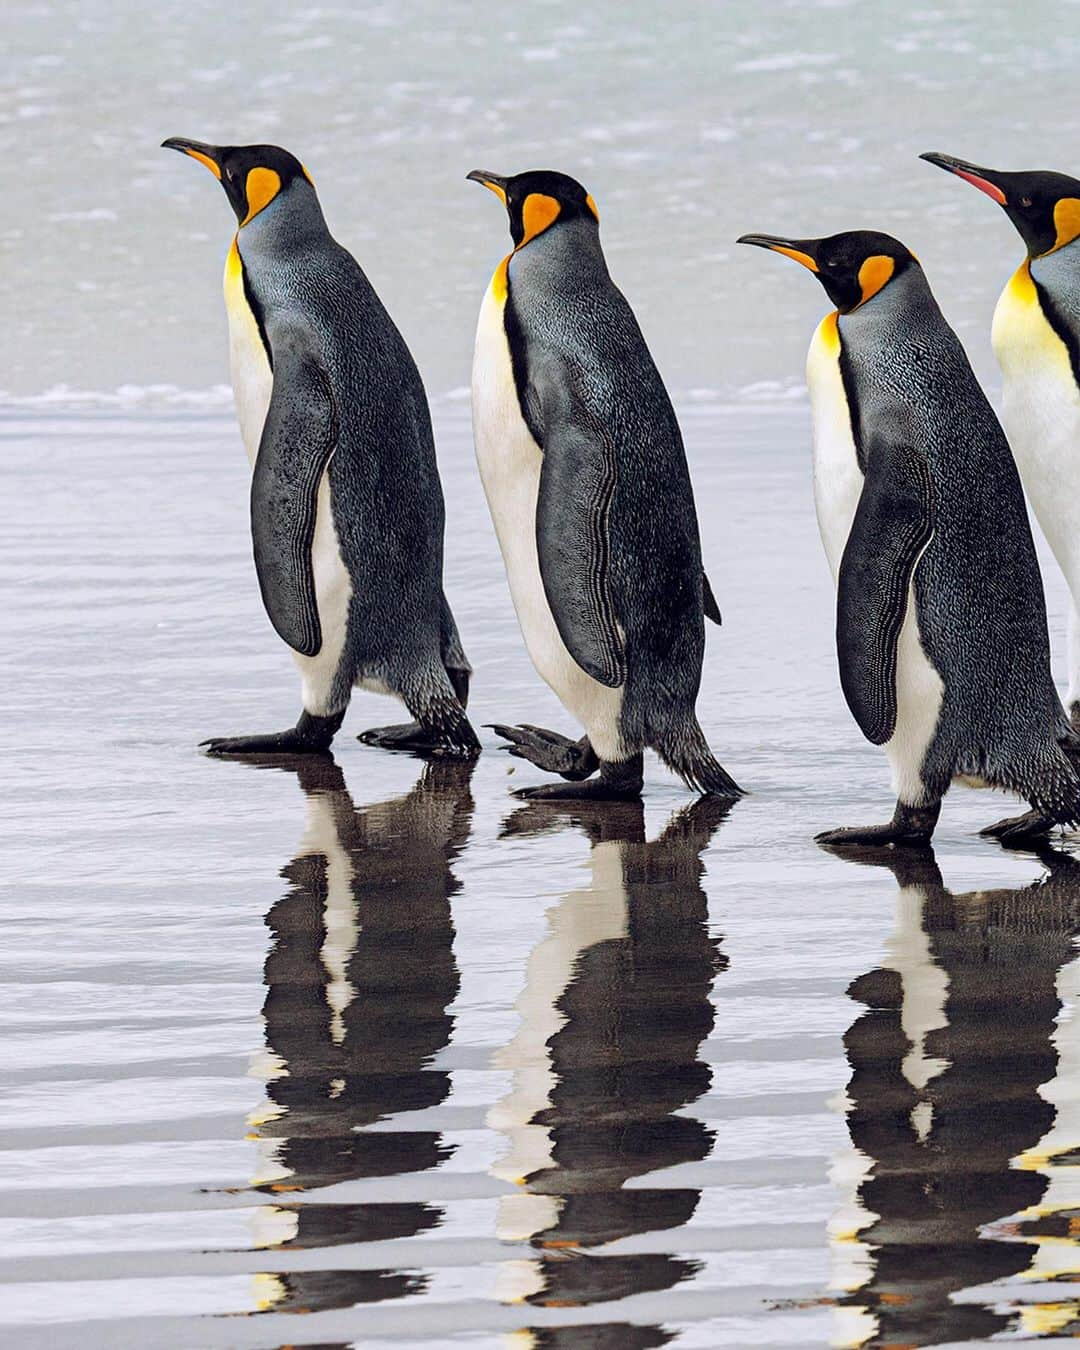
[[615, 1007], [1036, 337], [583, 465], [359, 977], [950, 1113], [941, 620], [346, 504]]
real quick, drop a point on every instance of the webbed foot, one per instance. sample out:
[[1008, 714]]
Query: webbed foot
[[614, 783], [551, 752], [1029, 827], [416, 739], [910, 827], [311, 736]]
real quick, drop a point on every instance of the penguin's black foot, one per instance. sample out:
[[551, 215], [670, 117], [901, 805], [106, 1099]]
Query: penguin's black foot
[[416, 739], [1031, 827], [615, 783], [574, 760], [910, 827], [871, 836], [311, 736], [273, 743]]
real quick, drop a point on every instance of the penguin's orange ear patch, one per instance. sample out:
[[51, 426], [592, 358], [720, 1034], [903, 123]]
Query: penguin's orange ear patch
[[873, 274], [538, 212], [1066, 221], [261, 187], [591, 204]]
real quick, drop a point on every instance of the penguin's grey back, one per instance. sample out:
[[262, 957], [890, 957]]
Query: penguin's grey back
[[982, 613], [567, 320], [1057, 281], [306, 288]]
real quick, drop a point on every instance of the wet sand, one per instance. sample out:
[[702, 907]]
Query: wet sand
[[363, 1051]]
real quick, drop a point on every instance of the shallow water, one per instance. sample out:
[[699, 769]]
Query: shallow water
[[365, 1052]]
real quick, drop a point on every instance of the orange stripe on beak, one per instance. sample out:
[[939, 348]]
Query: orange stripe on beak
[[983, 184], [207, 161], [797, 255]]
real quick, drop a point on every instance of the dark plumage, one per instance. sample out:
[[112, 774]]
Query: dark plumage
[[322, 315], [978, 591], [347, 399], [616, 529], [916, 481]]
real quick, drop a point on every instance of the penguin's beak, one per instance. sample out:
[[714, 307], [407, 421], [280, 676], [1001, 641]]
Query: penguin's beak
[[208, 155], [492, 181], [983, 179], [797, 249]]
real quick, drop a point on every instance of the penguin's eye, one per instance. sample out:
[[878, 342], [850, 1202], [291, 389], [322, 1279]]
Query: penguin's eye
[[1025, 201]]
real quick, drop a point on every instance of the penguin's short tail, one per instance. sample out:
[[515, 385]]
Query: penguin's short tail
[[432, 701], [1064, 789], [685, 751], [446, 718]]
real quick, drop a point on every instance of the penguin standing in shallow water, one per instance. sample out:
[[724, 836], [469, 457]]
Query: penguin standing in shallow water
[[585, 474], [346, 504], [1036, 337], [941, 620]]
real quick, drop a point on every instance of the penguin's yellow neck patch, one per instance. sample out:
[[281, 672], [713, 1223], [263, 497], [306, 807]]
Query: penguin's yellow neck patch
[[874, 274], [1066, 222], [591, 204], [1021, 288], [828, 334], [500, 282], [234, 266], [261, 187], [538, 212]]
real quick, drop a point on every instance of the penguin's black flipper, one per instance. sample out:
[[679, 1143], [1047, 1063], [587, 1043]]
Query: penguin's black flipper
[[893, 523], [298, 438], [577, 484], [712, 609]]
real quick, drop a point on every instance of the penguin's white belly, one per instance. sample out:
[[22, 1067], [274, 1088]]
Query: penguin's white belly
[[510, 461], [919, 693], [838, 484], [253, 382], [1041, 414], [838, 480]]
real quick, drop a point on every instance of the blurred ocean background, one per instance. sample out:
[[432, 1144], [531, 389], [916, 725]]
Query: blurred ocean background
[[690, 127]]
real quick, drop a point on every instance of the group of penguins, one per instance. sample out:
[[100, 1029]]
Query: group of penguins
[[941, 619]]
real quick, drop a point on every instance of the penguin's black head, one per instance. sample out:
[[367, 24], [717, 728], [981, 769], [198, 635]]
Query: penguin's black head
[[252, 175], [537, 199], [852, 266], [1044, 206]]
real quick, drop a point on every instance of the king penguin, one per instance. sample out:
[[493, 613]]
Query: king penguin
[[1036, 338], [941, 621], [346, 505], [585, 474]]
